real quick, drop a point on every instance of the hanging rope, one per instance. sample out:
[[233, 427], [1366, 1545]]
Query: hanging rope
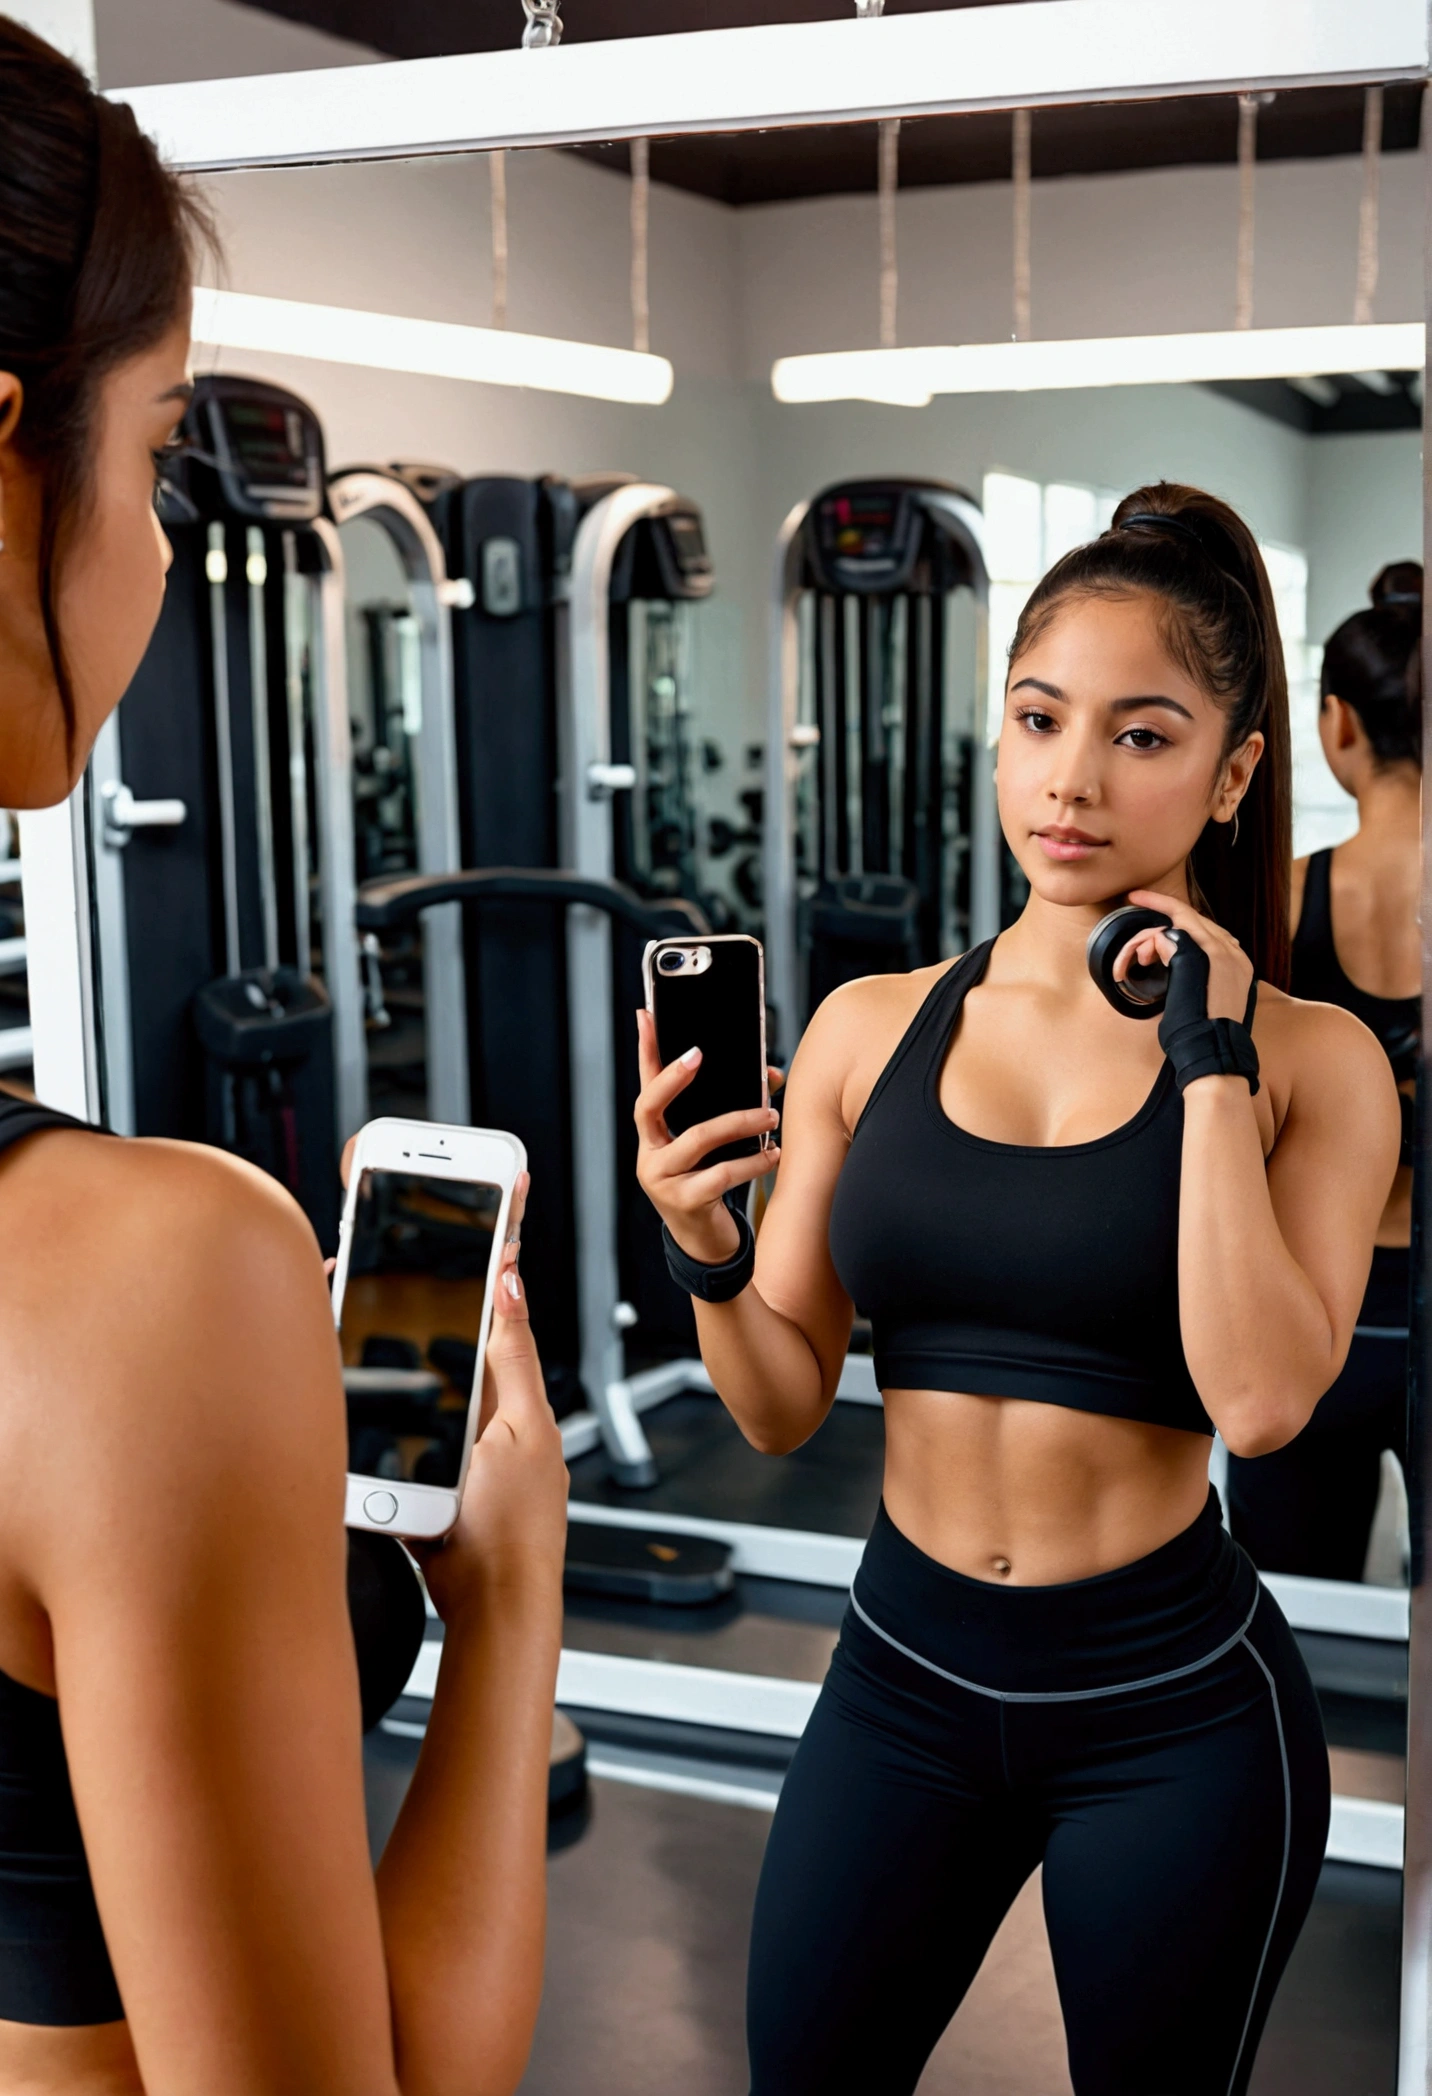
[[1247, 166], [1367, 255], [497, 171], [889, 178], [1022, 129], [640, 213]]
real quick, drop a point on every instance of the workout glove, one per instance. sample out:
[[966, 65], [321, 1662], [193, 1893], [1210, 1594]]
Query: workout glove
[[1196, 1045]]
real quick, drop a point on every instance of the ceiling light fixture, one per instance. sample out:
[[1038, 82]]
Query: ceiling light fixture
[[241, 320], [911, 377]]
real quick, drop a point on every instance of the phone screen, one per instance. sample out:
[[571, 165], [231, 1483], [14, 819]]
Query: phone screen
[[713, 1001], [410, 1321]]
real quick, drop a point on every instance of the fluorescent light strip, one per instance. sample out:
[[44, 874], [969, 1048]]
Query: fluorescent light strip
[[241, 320], [911, 377]]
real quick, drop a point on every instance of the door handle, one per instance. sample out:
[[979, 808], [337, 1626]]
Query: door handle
[[123, 814], [603, 780]]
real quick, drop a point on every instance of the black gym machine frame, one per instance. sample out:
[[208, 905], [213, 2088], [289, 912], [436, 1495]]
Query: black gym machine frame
[[868, 818]]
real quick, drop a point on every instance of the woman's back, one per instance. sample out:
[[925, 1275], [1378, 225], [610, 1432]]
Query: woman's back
[[1356, 911]]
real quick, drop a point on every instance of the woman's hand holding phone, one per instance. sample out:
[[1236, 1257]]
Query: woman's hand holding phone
[[512, 1526], [687, 1195]]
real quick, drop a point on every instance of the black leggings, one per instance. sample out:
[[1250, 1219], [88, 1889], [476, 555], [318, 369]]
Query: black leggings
[[1308, 1507], [1150, 1736]]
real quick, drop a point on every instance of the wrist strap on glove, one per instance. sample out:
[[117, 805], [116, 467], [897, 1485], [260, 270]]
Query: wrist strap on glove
[[1196, 1045], [720, 1283]]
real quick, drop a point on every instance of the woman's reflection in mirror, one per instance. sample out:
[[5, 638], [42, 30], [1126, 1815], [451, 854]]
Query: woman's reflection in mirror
[[1309, 1507], [1083, 1243]]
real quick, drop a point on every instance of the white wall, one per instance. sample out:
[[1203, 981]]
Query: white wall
[[144, 42], [1123, 254], [730, 290], [67, 24], [1364, 509]]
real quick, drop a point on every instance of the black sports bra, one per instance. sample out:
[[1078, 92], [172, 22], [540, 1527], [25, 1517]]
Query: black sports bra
[[1319, 974], [1008, 1270]]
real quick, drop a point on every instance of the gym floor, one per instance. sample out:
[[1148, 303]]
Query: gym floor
[[651, 1888], [650, 1901]]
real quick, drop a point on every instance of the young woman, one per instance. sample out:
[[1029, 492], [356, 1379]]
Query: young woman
[[1083, 1243], [1309, 1507], [186, 1897]]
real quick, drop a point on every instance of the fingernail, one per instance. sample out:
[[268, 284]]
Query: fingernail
[[691, 1058], [514, 1286]]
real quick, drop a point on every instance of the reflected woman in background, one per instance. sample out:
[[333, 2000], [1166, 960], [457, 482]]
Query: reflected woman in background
[[1309, 1508]]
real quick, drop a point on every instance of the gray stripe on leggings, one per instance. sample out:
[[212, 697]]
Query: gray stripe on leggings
[[1065, 1695], [1283, 1873]]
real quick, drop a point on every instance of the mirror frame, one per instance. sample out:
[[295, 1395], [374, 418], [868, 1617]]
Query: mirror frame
[[1039, 52]]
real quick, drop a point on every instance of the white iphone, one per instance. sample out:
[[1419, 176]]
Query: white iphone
[[420, 1248]]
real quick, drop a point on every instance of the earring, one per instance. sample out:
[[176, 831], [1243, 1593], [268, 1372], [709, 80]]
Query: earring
[[1234, 845]]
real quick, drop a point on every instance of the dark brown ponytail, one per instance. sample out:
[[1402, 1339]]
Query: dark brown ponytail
[[1374, 662], [97, 246], [1201, 561]]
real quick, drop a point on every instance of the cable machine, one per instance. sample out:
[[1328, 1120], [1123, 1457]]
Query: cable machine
[[576, 804], [221, 815], [400, 696], [882, 836]]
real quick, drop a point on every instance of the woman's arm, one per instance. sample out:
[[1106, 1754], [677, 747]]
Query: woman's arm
[[183, 1533], [1274, 1254], [462, 1885], [1274, 1258], [775, 1352]]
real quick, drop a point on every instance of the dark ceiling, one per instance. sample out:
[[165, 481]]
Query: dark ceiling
[[1335, 406], [434, 28], [760, 167]]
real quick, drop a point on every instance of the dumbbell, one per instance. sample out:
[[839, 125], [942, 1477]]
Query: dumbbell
[[1144, 990]]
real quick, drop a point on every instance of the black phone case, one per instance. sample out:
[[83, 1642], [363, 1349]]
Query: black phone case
[[720, 1013]]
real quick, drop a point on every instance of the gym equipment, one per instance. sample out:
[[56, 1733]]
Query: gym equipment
[[575, 753], [389, 1618], [882, 846], [1144, 990], [384, 906], [228, 976], [400, 696]]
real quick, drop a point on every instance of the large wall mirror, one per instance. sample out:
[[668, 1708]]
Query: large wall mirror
[[740, 655]]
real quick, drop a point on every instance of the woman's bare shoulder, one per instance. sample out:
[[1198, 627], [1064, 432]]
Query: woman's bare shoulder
[[153, 1287], [127, 1210], [856, 1030], [1321, 1044]]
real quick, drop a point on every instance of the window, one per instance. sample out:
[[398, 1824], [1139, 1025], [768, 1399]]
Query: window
[[1030, 524]]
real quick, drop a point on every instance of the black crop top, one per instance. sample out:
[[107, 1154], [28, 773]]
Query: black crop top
[[1009, 1270]]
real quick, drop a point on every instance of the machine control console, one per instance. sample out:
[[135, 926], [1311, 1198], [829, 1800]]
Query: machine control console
[[864, 537], [248, 450]]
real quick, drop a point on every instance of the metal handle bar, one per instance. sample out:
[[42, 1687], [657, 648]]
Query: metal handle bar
[[384, 904], [124, 814]]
